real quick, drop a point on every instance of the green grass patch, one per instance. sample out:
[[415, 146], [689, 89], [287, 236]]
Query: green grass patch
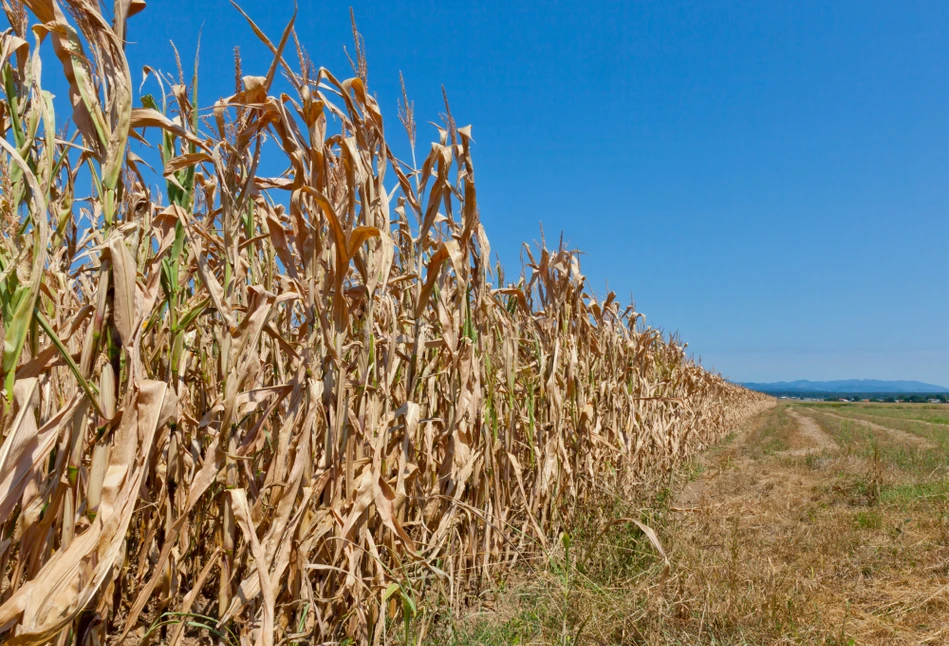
[[525, 628], [915, 492], [880, 412], [868, 519]]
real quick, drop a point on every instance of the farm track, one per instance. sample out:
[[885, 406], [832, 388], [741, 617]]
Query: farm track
[[812, 432]]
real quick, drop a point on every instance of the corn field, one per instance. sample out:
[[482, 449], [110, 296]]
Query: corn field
[[275, 408]]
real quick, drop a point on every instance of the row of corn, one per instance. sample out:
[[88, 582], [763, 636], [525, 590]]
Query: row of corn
[[282, 407]]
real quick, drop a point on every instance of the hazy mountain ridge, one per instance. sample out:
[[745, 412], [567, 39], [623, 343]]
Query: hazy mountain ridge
[[848, 386]]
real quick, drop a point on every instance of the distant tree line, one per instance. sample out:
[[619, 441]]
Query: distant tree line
[[913, 398]]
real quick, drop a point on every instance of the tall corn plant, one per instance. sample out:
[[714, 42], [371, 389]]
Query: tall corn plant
[[309, 388]]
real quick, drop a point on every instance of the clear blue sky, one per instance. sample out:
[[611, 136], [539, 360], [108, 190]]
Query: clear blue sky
[[771, 179]]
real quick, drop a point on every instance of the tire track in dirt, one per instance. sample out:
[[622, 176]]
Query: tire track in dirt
[[895, 433], [811, 431], [697, 494]]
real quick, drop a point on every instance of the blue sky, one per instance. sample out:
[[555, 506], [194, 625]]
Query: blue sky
[[769, 179]]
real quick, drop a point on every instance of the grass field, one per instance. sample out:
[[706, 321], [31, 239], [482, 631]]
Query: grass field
[[930, 413], [808, 526]]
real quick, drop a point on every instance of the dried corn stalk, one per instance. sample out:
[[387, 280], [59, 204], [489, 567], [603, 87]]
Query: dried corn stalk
[[276, 401]]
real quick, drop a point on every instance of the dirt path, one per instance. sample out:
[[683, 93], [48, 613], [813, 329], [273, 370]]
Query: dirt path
[[895, 433], [812, 432]]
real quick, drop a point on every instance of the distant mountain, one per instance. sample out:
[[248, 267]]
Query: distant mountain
[[848, 386]]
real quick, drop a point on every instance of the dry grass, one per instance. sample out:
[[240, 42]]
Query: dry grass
[[772, 539], [284, 409]]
